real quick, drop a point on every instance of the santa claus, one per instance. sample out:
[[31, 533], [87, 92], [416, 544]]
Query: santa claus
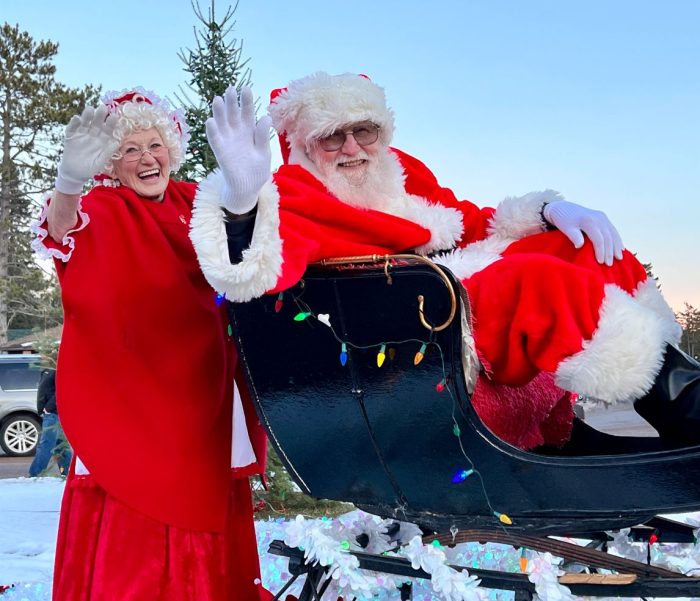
[[558, 304]]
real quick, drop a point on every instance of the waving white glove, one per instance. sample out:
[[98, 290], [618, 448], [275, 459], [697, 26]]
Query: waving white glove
[[574, 221], [88, 144], [241, 147]]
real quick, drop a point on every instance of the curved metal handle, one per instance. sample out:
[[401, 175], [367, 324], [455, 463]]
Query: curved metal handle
[[386, 259]]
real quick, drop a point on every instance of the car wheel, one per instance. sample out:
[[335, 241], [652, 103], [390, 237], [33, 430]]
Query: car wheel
[[19, 435]]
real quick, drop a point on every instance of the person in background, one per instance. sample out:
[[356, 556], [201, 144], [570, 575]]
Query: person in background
[[558, 305], [52, 442], [152, 509]]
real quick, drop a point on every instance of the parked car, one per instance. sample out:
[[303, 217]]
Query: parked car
[[20, 425]]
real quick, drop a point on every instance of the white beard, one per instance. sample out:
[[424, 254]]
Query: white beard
[[377, 187]]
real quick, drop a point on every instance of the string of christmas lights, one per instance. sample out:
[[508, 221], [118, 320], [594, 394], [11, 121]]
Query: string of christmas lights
[[306, 312]]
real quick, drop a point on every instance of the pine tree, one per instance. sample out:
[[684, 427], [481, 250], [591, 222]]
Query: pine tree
[[34, 108], [649, 268], [214, 65]]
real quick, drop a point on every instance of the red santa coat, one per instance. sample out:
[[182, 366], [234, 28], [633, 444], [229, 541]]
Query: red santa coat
[[540, 306], [146, 369]]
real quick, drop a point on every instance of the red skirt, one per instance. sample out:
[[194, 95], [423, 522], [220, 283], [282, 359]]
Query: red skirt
[[109, 552]]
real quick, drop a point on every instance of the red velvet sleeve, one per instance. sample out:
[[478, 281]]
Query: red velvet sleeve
[[421, 182]]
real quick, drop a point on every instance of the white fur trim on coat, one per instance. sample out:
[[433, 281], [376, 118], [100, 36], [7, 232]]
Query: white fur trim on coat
[[465, 262], [514, 218], [445, 224], [517, 217], [262, 260], [624, 356], [650, 296]]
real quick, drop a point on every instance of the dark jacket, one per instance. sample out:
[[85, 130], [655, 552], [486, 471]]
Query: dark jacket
[[46, 394]]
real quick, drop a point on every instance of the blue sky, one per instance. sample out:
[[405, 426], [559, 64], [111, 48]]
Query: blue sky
[[598, 99]]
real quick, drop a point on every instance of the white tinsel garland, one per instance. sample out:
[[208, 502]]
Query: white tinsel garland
[[322, 542], [329, 542], [673, 556], [545, 576], [448, 583]]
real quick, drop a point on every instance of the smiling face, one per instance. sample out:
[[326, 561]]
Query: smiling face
[[147, 173], [351, 161]]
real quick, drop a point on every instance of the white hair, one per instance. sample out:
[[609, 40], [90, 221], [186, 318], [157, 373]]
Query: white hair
[[139, 116]]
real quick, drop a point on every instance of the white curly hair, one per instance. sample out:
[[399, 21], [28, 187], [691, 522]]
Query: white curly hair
[[144, 111]]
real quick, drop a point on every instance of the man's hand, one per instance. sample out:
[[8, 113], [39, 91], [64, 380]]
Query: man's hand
[[88, 144], [241, 147], [574, 221]]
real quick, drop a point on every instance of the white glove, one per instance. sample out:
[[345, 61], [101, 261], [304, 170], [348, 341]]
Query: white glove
[[241, 147], [87, 146], [574, 221]]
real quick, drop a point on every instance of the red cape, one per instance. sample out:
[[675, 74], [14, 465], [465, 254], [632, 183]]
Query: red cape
[[145, 373]]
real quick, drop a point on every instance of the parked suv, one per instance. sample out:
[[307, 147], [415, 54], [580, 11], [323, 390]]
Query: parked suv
[[19, 423]]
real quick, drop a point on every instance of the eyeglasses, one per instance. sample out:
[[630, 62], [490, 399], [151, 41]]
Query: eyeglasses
[[134, 153], [364, 134]]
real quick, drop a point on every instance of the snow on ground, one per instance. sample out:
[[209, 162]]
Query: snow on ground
[[28, 521], [29, 509]]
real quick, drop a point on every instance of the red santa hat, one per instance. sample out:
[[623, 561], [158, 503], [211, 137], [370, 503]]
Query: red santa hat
[[317, 105]]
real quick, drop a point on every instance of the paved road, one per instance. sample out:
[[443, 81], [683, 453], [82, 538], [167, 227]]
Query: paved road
[[13, 467], [621, 420]]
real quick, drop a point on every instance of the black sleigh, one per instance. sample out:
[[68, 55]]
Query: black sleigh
[[358, 376]]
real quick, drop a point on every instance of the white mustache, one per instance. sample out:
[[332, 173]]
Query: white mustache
[[345, 159]]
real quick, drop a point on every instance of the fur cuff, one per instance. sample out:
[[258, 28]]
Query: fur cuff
[[465, 262], [517, 217], [445, 224], [262, 261], [622, 360], [648, 295]]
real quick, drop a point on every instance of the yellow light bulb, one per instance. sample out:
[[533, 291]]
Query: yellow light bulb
[[381, 355], [505, 519]]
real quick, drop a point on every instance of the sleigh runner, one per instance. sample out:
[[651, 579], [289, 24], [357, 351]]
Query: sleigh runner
[[360, 379]]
